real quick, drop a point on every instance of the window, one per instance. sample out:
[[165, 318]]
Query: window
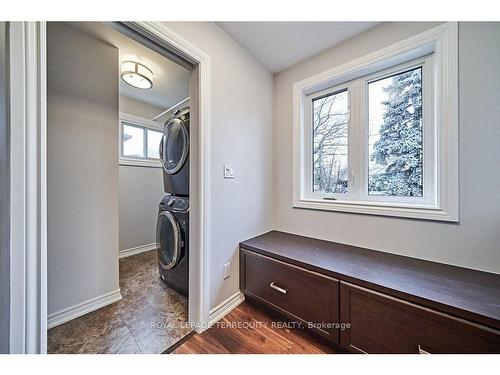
[[133, 141], [395, 143], [330, 140], [154, 139], [139, 141], [387, 106], [379, 135]]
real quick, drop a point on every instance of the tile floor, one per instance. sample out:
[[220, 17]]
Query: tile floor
[[135, 324]]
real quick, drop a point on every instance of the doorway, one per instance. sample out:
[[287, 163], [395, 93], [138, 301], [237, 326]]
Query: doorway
[[32, 42], [88, 121]]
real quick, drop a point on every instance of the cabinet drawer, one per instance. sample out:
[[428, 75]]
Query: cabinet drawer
[[383, 324], [303, 295]]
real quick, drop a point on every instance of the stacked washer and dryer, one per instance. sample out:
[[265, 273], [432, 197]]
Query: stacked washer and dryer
[[172, 228]]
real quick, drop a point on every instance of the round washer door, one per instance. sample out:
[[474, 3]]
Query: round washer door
[[168, 240], [174, 146]]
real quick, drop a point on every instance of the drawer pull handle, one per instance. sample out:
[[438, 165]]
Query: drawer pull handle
[[422, 351], [275, 287]]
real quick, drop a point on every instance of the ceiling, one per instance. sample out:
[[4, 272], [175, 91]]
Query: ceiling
[[170, 80], [279, 45]]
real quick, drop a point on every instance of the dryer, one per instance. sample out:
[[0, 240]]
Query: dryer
[[174, 153], [172, 242]]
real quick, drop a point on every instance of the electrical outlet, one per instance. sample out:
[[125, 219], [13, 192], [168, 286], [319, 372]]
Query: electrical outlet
[[228, 170], [227, 270]]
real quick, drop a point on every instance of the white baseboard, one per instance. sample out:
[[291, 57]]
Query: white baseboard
[[136, 250], [72, 312], [219, 311]]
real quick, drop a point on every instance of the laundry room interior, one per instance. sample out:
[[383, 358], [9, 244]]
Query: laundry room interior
[[135, 105]]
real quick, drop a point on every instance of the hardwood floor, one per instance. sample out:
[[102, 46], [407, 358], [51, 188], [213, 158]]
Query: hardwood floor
[[249, 329], [148, 319]]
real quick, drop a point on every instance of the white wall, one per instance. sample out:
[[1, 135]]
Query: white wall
[[137, 108], [474, 242], [241, 133], [141, 189], [82, 162]]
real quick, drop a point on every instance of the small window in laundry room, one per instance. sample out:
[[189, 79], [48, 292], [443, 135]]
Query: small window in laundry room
[[133, 141], [139, 142], [154, 139]]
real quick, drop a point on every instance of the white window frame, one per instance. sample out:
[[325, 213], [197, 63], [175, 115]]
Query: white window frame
[[131, 120], [426, 63], [308, 142], [436, 50]]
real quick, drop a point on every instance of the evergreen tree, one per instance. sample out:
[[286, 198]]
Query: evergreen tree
[[399, 148]]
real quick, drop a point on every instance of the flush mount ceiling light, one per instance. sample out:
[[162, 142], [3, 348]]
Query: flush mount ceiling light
[[136, 75]]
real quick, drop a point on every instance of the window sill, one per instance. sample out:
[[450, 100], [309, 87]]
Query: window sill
[[379, 208], [140, 163]]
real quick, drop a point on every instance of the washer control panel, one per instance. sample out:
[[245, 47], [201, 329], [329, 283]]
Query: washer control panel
[[173, 203]]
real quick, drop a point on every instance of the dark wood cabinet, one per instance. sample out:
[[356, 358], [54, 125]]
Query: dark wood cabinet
[[384, 324], [392, 304], [305, 296]]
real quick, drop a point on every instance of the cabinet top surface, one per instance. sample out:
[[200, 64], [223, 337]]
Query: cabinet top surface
[[467, 293]]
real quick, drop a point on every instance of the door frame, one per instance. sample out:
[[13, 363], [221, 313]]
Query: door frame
[[28, 318]]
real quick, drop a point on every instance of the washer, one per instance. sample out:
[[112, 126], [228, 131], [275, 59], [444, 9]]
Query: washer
[[174, 152], [172, 235]]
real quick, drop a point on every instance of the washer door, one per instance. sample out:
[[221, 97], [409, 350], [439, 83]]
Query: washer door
[[168, 240], [174, 146]]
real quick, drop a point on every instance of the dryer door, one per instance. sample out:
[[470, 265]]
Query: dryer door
[[168, 240], [174, 146]]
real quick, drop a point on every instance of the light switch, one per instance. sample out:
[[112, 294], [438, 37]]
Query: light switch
[[227, 270], [228, 170]]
